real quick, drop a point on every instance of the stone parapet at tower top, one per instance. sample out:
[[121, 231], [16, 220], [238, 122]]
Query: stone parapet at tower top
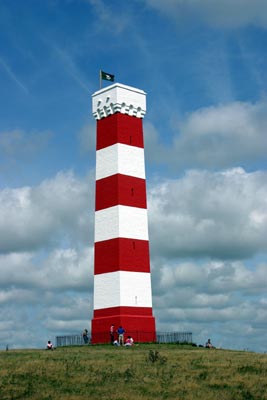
[[119, 98]]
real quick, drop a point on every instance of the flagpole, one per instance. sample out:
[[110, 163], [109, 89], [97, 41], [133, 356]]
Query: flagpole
[[100, 79]]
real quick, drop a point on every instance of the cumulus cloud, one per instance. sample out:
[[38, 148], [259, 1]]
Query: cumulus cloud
[[14, 295], [31, 325], [71, 314], [60, 270], [36, 217], [225, 135], [211, 297], [203, 214], [224, 13], [210, 284], [46, 261], [45, 295], [214, 137], [218, 217], [69, 309], [71, 270]]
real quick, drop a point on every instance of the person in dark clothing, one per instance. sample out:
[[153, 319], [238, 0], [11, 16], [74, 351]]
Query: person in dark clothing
[[85, 336], [111, 333]]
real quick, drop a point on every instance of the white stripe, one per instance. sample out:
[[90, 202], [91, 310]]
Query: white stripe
[[121, 221], [122, 288], [120, 159]]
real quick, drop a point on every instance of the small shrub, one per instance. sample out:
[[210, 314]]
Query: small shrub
[[154, 356]]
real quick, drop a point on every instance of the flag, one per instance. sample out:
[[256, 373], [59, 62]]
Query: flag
[[107, 77]]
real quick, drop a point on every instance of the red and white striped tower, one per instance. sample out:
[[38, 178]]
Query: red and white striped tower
[[122, 279]]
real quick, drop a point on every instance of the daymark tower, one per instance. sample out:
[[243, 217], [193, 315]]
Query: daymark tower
[[122, 278]]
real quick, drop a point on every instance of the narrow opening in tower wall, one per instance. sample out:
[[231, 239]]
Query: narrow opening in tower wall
[[130, 139], [132, 190], [133, 245]]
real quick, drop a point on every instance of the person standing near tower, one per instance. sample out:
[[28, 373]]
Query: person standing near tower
[[85, 336], [121, 331], [111, 333]]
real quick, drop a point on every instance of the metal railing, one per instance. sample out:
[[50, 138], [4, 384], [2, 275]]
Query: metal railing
[[174, 337], [69, 340], [161, 337]]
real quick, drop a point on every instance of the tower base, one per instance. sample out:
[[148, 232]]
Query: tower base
[[137, 321]]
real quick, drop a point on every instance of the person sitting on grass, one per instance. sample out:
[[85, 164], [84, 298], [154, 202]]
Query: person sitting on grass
[[49, 345], [129, 341], [209, 345]]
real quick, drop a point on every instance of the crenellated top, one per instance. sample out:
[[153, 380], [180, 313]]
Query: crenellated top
[[119, 98]]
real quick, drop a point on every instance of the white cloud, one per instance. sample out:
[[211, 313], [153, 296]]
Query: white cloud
[[16, 295], [60, 270], [36, 217], [44, 295], [214, 137], [219, 299], [67, 269], [75, 325], [70, 308], [208, 214], [225, 135], [203, 284], [50, 286], [223, 13]]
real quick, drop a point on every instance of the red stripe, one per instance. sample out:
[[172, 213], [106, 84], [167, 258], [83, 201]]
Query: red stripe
[[140, 326], [120, 189], [121, 254], [119, 128], [106, 312]]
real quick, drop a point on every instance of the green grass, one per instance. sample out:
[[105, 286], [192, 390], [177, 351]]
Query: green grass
[[146, 371]]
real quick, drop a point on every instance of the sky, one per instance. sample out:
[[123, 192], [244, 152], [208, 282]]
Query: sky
[[203, 65]]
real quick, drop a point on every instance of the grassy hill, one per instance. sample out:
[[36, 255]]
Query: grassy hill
[[146, 371]]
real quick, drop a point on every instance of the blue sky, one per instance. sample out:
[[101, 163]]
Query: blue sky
[[203, 65]]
